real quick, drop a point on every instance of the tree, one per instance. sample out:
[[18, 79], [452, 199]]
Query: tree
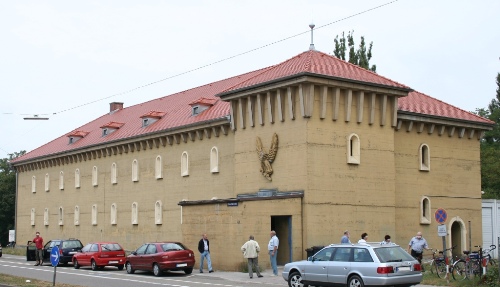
[[490, 148], [7, 196], [361, 57]]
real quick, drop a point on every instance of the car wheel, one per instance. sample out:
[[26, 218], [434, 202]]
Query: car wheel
[[295, 280], [130, 270], [156, 269], [76, 265], [355, 281], [93, 265], [188, 270], [120, 267]]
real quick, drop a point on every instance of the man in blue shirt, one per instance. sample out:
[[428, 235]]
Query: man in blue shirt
[[345, 238], [272, 247], [417, 245]]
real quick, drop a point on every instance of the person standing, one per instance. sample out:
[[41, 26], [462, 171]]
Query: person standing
[[387, 240], [364, 236], [38, 240], [272, 247], [251, 251], [204, 248], [345, 238], [416, 246]]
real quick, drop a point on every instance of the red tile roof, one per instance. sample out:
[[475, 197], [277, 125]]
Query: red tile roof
[[204, 101], [178, 112], [315, 62], [420, 103], [78, 134]]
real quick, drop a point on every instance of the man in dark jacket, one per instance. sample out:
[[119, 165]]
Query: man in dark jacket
[[204, 248]]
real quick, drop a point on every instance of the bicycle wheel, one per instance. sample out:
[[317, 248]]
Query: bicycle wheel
[[493, 262], [432, 266], [440, 269], [458, 271]]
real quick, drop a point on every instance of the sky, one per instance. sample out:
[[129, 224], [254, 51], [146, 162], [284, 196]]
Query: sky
[[67, 60]]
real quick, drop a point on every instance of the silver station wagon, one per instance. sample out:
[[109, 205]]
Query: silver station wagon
[[355, 265]]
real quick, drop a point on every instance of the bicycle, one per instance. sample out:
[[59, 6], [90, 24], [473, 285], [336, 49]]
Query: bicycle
[[487, 259], [442, 262]]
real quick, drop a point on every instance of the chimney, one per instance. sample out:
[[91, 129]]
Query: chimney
[[114, 106]]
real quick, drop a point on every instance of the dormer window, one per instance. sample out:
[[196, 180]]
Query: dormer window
[[201, 105], [75, 136], [151, 117], [110, 128]]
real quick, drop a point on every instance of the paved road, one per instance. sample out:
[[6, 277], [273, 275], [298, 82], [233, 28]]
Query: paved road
[[112, 277]]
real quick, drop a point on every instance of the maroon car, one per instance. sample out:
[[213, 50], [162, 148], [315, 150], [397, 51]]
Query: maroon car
[[161, 256], [100, 254]]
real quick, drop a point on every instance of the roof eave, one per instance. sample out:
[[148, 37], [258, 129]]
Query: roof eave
[[412, 116], [226, 95]]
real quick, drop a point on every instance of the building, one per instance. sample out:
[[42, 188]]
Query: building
[[308, 147]]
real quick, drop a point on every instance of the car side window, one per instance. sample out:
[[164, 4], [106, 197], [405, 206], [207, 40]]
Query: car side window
[[47, 245], [342, 254], [362, 255], [94, 248], [151, 249], [142, 249], [86, 248], [324, 255]]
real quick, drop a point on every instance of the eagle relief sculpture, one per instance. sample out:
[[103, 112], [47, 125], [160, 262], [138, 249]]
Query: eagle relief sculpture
[[266, 158]]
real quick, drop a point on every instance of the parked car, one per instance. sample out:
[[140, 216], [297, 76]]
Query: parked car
[[161, 256], [99, 255], [67, 248], [355, 265]]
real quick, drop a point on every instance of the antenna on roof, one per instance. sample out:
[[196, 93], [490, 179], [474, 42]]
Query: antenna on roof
[[36, 117], [311, 46]]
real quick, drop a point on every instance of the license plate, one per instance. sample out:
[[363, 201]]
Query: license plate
[[182, 265], [72, 252], [113, 262], [407, 268]]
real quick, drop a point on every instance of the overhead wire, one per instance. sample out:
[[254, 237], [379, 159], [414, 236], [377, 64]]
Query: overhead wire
[[224, 59]]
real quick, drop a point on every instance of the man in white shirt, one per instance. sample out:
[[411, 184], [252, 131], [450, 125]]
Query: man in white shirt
[[272, 247]]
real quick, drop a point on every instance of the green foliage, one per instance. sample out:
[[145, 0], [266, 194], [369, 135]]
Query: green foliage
[[360, 57], [490, 148], [7, 196]]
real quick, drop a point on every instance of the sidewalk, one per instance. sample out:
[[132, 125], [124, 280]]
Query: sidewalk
[[268, 279]]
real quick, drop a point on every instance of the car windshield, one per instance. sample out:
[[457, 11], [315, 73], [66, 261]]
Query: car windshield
[[71, 244], [392, 254], [172, 246], [111, 247]]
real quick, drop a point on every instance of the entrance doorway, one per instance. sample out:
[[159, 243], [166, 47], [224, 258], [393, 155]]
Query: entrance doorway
[[456, 238], [283, 227]]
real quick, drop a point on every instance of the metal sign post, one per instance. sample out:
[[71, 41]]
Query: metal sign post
[[440, 215], [54, 259]]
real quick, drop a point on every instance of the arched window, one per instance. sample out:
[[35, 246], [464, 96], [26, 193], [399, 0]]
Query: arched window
[[214, 160], [158, 168], [32, 217], [94, 176], [61, 216], [135, 171], [113, 214], [184, 164], [47, 182], [77, 178], [425, 157], [77, 215], [61, 180], [135, 213], [33, 184], [158, 212], [425, 210], [353, 149], [94, 214], [113, 173], [46, 217]]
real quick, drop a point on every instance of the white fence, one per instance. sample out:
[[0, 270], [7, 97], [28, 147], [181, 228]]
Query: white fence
[[491, 223]]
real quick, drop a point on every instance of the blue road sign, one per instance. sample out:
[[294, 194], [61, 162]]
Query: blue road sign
[[440, 216], [54, 256]]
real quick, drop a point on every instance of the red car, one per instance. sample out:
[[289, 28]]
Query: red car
[[161, 256], [100, 254]]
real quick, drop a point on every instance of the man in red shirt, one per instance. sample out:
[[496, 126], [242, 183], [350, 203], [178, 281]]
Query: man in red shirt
[[38, 240]]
